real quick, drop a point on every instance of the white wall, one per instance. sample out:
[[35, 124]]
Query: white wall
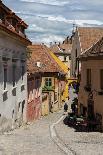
[[8, 46], [75, 45]]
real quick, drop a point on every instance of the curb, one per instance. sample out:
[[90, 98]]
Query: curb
[[57, 140]]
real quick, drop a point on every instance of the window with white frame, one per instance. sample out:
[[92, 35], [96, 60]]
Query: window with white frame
[[48, 81]]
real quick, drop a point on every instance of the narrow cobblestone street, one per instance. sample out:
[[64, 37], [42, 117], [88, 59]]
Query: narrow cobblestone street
[[32, 139], [50, 136]]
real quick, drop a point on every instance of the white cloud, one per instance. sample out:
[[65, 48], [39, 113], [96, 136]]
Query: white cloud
[[49, 2], [89, 22], [36, 28], [52, 20], [47, 39]]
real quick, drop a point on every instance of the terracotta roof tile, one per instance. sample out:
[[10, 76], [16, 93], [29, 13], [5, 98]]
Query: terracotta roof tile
[[54, 48], [39, 53], [66, 47], [95, 50], [88, 36], [61, 48]]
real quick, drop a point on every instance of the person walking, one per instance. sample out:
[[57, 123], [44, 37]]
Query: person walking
[[65, 107]]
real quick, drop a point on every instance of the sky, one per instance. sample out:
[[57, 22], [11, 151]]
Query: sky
[[52, 20]]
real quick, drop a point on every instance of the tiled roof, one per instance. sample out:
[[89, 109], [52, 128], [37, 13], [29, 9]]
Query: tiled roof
[[61, 48], [94, 51], [14, 33], [7, 26], [66, 47], [40, 54], [54, 48], [60, 63], [89, 36], [10, 12]]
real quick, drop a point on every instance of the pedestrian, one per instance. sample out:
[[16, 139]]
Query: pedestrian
[[73, 107], [65, 107]]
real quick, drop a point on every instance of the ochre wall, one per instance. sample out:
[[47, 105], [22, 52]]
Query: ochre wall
[[95, 66]]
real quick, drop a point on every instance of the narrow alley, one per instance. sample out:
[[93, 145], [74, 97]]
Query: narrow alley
[[40, 138], [32, 139]]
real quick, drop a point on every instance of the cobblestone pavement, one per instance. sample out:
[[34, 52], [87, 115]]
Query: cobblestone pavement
[[32, 139], [80, 143], [35, 139]]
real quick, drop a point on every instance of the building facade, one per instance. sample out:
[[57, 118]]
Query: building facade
[[13, 74], [63, 52], [90, 99], [42, 62], [34, 97], [83, 38]]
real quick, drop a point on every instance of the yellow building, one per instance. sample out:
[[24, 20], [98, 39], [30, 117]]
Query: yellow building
[[53, 77], [64, 67]]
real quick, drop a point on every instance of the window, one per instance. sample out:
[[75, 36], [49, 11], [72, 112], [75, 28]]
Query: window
[[55, 96], [76, 62], [22, 72], [88, 77], [65, 58], [5, 78], [48, 82], [13, 75], [76, 53], [2, 15], [14, 22], [69, 57], [101, 79]]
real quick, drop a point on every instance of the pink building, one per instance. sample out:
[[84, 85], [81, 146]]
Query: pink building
[[34, 97]]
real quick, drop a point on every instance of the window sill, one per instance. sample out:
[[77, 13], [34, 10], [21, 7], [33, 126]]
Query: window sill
[[5, 91], [14, 87], [22, 84]]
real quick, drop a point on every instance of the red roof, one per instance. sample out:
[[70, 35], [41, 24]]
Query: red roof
[[95, 51], [61, 48], [9, 28], [89, 36], [40, 55]]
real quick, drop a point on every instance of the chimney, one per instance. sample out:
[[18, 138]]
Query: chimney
[[38, 64], [68, 39], [59, 44], [50, 44]]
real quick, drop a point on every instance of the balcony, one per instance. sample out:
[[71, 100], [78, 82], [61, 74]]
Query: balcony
[[87, 88]]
